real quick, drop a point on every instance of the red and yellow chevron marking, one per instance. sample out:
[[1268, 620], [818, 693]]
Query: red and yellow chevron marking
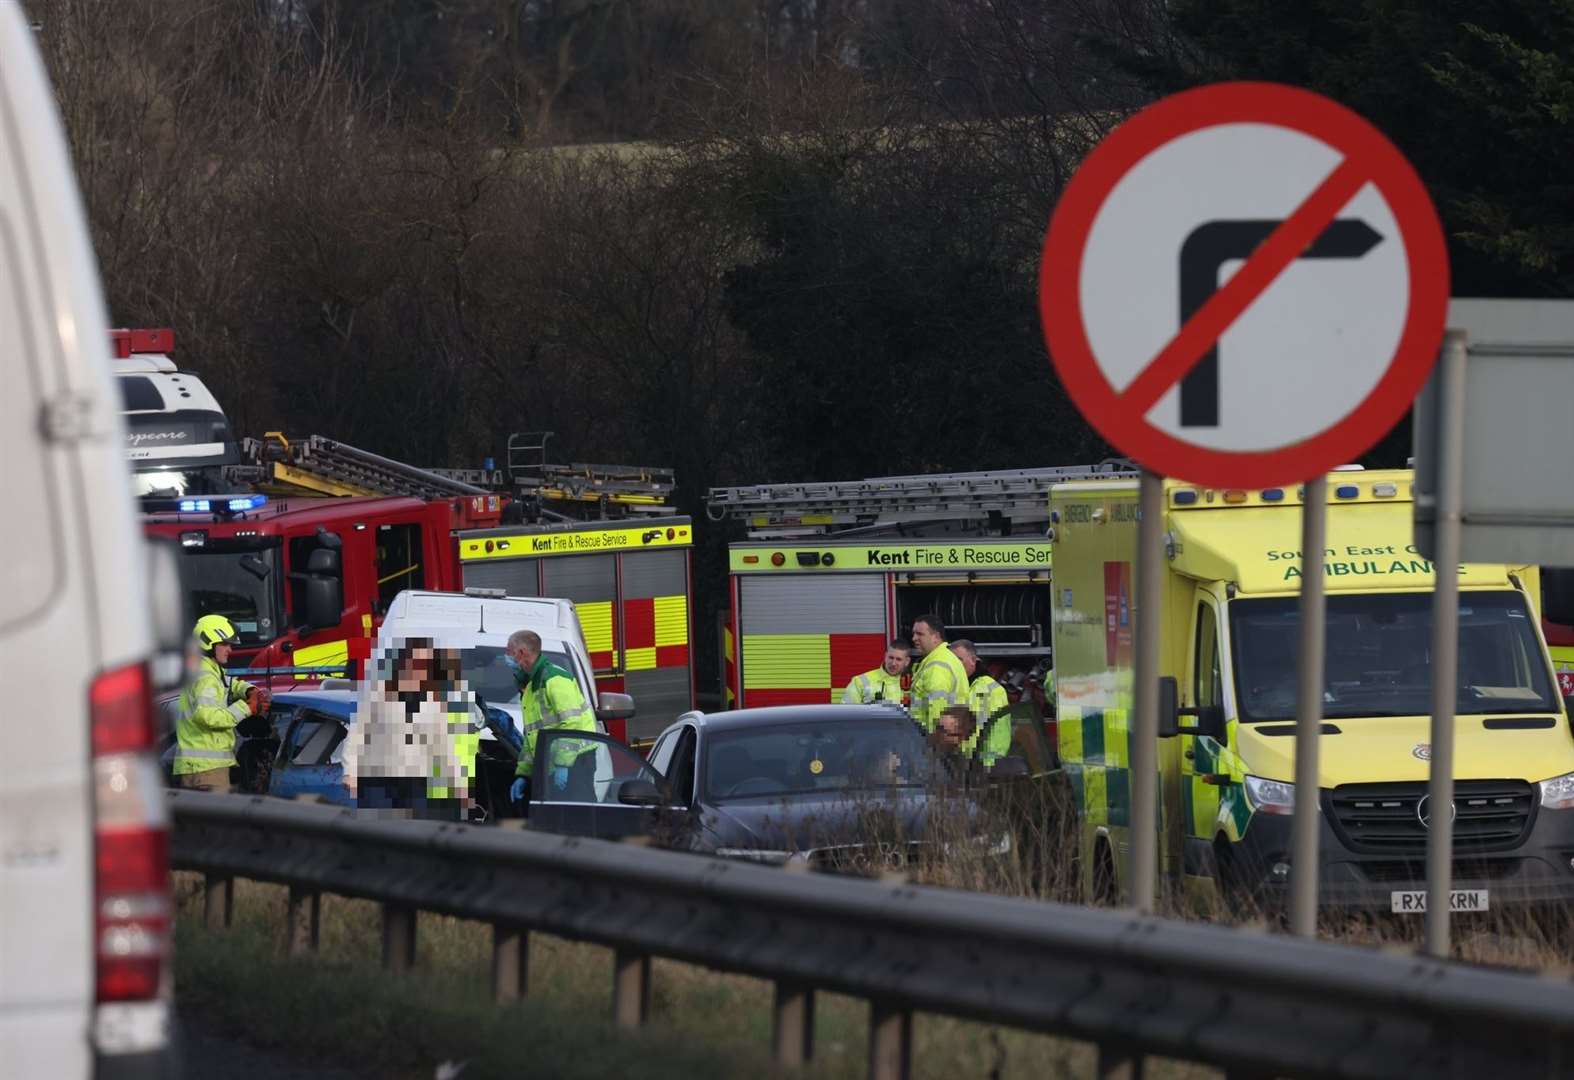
[[595, 619], [656, 633], [805, 669]]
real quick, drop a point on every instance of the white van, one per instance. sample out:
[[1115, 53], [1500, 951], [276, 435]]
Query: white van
[[177, 437], [85, 906], [478, 622]]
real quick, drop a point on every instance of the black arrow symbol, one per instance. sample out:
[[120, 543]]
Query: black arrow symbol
[[1214, 243]]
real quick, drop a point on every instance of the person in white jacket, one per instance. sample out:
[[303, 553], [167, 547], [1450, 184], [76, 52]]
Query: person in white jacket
[[412, 746]]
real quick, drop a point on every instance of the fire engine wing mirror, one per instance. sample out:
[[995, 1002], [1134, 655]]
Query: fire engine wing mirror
[[255, 567], [614, 706], [324, 600], [171, 619], [1169, 707]]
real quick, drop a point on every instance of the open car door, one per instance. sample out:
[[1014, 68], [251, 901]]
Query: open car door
[[609, 792]]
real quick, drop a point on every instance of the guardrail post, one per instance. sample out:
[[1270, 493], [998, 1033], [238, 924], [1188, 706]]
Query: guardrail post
[[218, 901], [630, 988], [398, 938], [302, 922], [1119, 1063], [510, 963], [792, 1034], [890, 1041]]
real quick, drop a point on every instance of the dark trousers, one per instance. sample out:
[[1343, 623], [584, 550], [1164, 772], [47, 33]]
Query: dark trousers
[[406, 797]]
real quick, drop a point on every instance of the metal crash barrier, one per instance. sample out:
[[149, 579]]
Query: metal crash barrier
[[1251, 1003]]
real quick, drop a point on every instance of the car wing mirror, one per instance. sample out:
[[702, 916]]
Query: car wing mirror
[[640, 793]]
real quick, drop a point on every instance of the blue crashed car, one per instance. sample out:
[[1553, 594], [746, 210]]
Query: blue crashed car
[[303, 750]]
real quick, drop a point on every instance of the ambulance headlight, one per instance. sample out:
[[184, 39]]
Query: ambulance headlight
[[1558, 793], [1270, 796]]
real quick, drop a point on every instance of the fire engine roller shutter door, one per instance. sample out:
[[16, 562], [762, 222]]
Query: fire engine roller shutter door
[[591, 582], [517, 577], [806, 636], [656, 638]]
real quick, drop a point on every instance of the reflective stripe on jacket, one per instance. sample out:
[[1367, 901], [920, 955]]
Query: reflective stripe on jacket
[[210, 707], [873, 686], [939, 682], [551, 699]]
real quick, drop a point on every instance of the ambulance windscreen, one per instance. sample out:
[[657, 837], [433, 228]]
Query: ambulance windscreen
[[1379, 656]]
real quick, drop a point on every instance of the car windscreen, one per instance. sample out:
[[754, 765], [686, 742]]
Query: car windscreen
[[488, 674], [813, 756], [1379, 656]]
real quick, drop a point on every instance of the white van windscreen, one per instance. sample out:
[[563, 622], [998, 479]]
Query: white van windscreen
[[488, 673]]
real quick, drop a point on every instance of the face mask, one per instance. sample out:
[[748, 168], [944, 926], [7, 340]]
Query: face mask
[[519, 673]]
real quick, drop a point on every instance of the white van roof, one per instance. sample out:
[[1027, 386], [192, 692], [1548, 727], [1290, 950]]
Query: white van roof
[[500, 615]]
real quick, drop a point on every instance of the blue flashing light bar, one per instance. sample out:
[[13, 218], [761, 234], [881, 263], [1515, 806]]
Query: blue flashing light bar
[[1273, 495], [1185, 498], [1347, 491], [247, 502]]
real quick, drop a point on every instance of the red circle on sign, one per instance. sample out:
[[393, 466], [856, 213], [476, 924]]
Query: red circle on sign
[[1379, 162]]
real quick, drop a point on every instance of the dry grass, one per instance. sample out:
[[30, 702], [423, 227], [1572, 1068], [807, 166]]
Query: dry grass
[[341, 1008]]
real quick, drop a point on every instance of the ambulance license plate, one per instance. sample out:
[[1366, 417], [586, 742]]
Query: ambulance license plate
[[1413, 901]]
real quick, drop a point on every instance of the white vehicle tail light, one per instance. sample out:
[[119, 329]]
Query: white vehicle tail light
[[132, 897]]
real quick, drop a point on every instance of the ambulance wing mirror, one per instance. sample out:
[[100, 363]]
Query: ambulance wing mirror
[[1169, 707]]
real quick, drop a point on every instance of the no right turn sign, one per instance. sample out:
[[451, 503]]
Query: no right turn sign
[[1244, 285]]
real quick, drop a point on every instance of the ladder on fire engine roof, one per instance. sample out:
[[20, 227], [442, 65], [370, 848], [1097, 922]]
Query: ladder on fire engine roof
[[602, 491], [1018, 497], [321, 466]]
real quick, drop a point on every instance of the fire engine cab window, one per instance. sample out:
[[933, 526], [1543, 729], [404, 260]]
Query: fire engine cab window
[[398, 562]]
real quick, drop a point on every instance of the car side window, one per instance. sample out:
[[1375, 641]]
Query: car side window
[[314, 739], [660, 755], [680, 777], [597, 768]]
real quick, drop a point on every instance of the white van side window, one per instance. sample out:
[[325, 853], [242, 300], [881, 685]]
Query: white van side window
[[30, 572]]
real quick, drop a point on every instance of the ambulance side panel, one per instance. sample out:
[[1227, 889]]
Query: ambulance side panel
[[1095, 544]]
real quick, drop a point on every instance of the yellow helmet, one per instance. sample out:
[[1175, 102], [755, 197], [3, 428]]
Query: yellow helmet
[[211, 630]]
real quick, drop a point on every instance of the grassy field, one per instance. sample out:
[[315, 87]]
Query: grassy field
[[341, 1008]]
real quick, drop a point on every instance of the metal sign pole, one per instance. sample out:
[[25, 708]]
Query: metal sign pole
[[1309, 710], [1439, 804], [1144, 736]]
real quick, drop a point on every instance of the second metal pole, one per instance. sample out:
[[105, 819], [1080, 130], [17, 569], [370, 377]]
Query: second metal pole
[[1144, 736], [1309, 710], [1439, 815]]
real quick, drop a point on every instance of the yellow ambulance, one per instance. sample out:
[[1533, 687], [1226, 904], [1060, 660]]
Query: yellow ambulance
[[1229, 646]]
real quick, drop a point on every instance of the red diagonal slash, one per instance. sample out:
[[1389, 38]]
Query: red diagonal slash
[[1270, 259]]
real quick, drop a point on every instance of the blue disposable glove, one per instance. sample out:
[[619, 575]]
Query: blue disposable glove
[[516, 790], [560, 778]]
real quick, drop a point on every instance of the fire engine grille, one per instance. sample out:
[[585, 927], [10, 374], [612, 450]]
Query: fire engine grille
[[1490, 815]]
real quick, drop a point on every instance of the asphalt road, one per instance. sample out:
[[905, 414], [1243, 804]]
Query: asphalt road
[[212, 1052]]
